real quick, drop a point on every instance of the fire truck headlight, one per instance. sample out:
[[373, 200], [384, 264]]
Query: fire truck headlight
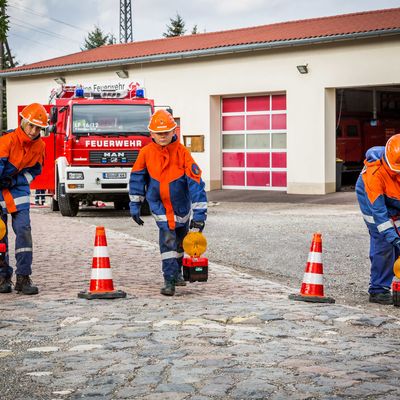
[[75, 176]]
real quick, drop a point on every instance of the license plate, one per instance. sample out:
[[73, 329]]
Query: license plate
[[114, 175]]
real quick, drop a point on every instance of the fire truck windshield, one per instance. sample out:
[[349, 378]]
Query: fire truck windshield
[[102, 119]]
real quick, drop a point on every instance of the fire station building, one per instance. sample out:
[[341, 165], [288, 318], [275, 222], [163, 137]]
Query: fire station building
[[269, 107]]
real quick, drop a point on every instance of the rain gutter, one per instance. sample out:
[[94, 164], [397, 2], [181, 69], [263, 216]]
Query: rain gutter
[[199, 53]]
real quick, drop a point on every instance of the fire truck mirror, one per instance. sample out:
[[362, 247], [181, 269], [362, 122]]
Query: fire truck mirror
[[53, 115], [46, 132], [52, 129]]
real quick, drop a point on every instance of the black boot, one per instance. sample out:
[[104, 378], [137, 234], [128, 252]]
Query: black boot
[[381, 298], [168, 289], [5, 285], [179, 281], [24, 285]]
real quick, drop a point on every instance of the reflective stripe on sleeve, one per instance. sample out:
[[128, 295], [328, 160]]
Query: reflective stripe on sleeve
[[21, 200], [169, 254], [199, 206], [28, 176], [369, 218], [385, 226], [136, 198]]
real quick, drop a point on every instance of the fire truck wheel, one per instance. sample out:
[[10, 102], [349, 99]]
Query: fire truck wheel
[[145, 210], [68, 205], [54, 205]]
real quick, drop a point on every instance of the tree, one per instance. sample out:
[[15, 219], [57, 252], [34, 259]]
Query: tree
[[3, 21], [3, 40], [97, 38], [176, 27], [194, 30]]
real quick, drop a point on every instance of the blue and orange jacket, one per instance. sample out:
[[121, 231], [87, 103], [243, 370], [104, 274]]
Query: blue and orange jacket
[[171, 182], [378, 193], [21, 160]]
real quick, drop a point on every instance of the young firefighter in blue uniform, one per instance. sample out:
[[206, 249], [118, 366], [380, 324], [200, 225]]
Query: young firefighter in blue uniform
[[166, 174], [378, 193], [21, 159]]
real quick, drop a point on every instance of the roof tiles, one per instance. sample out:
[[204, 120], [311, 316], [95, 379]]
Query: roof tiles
[[386, 20]]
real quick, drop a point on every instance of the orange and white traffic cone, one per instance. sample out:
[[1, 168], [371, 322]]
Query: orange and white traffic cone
[[101, 282], [312, 288]]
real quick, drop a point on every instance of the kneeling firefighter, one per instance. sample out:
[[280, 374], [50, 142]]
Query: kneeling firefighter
[[166, 174], [21, 159], [378, 194]]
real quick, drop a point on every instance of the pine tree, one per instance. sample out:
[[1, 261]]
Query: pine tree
[[176, 27], [97, 38], [194, 30]]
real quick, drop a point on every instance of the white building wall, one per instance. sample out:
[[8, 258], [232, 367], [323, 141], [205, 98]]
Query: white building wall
[[193, 89]]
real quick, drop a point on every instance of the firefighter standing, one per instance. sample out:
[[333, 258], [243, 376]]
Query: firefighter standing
[[21, 159], [166, 174], [378, 193]]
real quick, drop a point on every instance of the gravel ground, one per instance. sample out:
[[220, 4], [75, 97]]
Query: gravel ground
[[273, 240]]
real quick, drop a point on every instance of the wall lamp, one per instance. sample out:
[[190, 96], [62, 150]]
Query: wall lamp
[[122, 73], [60, 80], [303, 69]]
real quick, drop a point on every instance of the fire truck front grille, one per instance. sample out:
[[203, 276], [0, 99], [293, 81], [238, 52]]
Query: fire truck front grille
[[113, 157]]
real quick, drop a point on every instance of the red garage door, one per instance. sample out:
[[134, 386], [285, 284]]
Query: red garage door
[[254, 142]]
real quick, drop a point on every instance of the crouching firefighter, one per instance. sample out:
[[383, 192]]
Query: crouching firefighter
[[167, 176], [378, 194], [21, 159]]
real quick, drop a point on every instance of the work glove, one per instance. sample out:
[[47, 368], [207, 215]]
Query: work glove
[[200, 225], [6, 182], [396, 243], [137, 219]]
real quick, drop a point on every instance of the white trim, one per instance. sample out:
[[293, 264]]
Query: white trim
[[199, 206], [100, 251], [101, 273], [384, 226], [136, 198], [168, 255], [24, 250], [21, 200], [368, 218], [28, 176], [314, 257], [313, 279]]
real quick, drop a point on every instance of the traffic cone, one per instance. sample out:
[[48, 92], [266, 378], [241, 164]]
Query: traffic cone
[[312, 288], [101, 282]]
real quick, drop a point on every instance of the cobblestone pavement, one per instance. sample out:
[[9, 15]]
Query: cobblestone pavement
[[234, 337]]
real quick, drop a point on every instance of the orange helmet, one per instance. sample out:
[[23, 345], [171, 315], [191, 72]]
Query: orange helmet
[[161, 121], [392, 153], [36, 114]]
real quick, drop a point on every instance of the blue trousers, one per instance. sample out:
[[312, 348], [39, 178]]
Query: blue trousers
[[172, 250], [382, 255], [21, 225]]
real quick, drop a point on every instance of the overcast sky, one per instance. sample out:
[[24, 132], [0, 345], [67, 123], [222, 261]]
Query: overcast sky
[[44, 29]]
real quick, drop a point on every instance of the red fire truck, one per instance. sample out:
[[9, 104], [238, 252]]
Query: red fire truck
[[93, 140], [356, 134]]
